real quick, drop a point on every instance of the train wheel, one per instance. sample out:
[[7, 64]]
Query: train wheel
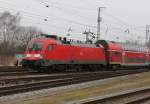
[[78, 68], [115, 67]]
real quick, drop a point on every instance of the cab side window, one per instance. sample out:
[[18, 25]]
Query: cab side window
[[50, 47]]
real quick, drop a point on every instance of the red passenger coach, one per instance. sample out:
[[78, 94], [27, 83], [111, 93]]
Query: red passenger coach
[[113, 52], [135, 55], [125, 54]]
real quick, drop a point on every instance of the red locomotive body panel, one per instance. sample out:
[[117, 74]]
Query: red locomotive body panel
[[49, 51], [66, 53], [41, 45], [59, 52], [91, 55]]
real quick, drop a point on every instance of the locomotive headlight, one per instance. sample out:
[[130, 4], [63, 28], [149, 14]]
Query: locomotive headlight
[[28, 55], [37, 56]]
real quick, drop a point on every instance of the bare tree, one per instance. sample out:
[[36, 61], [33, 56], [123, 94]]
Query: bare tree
[[8, 25], [12, 35], [25, 34]]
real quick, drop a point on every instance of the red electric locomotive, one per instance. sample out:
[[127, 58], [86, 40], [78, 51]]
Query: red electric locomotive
[[52, 52]]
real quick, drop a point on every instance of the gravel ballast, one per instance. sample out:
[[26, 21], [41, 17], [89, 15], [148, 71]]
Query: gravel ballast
[[81, 92]]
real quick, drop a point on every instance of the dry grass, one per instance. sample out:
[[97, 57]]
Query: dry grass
[[6, 60]]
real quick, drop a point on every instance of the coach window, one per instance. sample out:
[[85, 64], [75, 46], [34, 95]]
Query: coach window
[[116, 53], [49, 47]]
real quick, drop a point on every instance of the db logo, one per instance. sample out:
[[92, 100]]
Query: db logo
[[81, 53]]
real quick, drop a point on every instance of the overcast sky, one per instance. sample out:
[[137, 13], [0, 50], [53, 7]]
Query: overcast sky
[[118, 16]]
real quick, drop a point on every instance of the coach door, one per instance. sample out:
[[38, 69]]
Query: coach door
[[115, 57]]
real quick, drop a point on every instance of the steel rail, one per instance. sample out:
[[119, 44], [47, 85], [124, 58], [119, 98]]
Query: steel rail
[[131, 97], [40, 77], [55, 81]]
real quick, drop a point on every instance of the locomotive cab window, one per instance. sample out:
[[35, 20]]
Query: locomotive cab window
[[35, 46], [50, 47]]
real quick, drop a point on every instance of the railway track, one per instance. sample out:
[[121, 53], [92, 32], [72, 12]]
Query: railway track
[[10, 69], [18, 73], [138, 96], [37, 82]]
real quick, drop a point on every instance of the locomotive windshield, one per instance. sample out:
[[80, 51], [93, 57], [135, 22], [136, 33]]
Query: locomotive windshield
[[36, 46]]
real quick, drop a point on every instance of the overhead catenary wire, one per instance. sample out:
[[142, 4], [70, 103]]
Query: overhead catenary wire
[[72, 21], [47, 17], [52, 27], [60, 9], [48, 24], [123, 23], [109, 15], [67, 10], [28, 14]]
